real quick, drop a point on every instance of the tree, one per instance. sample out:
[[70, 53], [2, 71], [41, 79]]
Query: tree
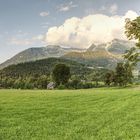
[[94, 77], [128, 69], [76, 84], [123, 75], [133, 32], [42, 82], [109, 78], [61, 74]]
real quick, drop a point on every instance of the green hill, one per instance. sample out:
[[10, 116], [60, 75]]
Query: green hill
[[42, 67], [37, 74]]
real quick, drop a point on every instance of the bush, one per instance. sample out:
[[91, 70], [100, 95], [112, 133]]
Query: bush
[[74, 84], [62, 87], [77, 84], [88, 85]]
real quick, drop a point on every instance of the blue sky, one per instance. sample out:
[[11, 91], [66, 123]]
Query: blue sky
[[23, 23]]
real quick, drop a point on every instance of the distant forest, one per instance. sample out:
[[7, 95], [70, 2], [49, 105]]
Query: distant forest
[[38, 74]]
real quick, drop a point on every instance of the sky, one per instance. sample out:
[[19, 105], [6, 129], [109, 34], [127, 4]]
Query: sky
[[69, 23]]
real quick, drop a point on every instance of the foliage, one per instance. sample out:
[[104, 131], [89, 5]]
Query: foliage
[[61, 74], [74, 84], [121, 76], [37, 74], [109, 78], [61, 86], [133, 32]]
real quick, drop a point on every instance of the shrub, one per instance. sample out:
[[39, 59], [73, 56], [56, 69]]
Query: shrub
[[61, 87]]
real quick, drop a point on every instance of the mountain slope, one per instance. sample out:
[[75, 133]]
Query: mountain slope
[[96, 58], [33, 54], [103, 55], [41, 67], [119, 46]]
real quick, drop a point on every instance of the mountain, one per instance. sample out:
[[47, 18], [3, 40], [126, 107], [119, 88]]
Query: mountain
[[96, 58], [102, 55], [33, 54], [119, 47], [91, 48], [105, 55]]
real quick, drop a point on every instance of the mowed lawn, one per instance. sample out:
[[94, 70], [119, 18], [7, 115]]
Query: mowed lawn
[[95, 114]]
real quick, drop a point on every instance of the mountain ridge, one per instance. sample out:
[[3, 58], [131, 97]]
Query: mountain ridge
[[102, 55], [33, 54]]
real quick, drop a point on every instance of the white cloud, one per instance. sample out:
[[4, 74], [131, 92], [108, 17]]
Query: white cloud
[[44, 14], [112, 9], [38, 38], [45, 25], [66, 7], [82, 32], [131, 14], [23, 42]]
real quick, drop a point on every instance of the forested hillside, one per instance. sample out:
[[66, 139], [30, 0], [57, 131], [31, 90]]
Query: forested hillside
[[38, 73]]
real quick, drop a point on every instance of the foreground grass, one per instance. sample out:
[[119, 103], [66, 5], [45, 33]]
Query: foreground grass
[[96, 114]]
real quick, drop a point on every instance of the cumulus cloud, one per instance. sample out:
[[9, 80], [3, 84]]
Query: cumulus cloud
[[66, 7], [44, 14], [82, 32], [131, 14]]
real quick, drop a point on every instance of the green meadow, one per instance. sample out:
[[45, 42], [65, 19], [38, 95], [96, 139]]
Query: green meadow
[[93, 114]]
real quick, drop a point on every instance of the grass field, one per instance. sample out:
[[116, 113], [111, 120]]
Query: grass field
[[95, 114]]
